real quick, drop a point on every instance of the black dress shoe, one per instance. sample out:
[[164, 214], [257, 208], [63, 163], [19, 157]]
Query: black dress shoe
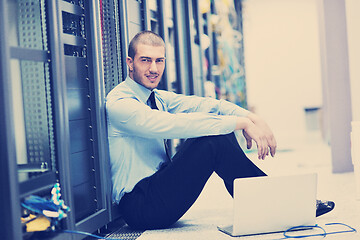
[[323, 207]]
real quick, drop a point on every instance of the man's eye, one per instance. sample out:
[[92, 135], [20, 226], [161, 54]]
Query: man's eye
[[160, 60]]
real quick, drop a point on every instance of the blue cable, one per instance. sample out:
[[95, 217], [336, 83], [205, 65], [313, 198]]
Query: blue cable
[[307, 235], [351, 229], [324, 234]]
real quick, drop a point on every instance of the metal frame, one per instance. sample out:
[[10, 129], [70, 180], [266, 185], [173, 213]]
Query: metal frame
[[9, 193], [180, 41], [45, 180], [124, 34], [147, 15], [112, 52], [198, 81], [60, 107], [213, 53], [184, 49], [187, 15], [163, 28], [112, 29], [101, 217]]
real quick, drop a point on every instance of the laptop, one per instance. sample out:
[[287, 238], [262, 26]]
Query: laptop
[[272, 204]]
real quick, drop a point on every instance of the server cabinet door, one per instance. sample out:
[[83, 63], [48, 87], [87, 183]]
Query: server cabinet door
[[79, 21]]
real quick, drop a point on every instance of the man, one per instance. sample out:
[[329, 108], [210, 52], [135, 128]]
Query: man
[[153, 190]]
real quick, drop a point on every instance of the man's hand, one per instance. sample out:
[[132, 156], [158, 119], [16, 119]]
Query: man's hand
[[269, 136], [254, 128]]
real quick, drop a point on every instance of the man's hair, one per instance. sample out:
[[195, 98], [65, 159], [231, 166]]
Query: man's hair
[[144, 37]]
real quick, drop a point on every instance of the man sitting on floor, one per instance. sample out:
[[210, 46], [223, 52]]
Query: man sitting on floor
[[152, 189]]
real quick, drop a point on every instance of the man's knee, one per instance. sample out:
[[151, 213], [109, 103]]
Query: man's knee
[[217, 138], [223, 141]]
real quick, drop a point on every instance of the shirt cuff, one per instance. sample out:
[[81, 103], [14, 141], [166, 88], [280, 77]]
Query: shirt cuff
[[229, 123]]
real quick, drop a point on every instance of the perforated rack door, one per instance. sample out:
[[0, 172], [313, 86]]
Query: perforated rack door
[[30, 73], [112, 52], [38, 114]]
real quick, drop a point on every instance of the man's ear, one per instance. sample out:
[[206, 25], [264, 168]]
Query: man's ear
[[130, 63]]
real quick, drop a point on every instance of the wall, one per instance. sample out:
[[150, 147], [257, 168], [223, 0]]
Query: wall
[[282, 62], [353, 30]]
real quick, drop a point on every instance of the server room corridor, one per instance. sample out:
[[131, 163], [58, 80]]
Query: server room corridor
[[284, 84], [294, 63], [283, 69]]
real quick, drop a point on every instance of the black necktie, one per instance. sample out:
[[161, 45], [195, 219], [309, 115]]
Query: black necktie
[[152, 103]]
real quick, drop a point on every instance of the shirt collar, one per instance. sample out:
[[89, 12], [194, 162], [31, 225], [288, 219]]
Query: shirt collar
[[140, 91]]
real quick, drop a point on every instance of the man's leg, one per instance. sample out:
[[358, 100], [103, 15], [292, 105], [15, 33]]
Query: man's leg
[[161, 199]]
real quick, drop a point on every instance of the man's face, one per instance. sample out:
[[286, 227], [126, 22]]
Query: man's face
[[148, 65]]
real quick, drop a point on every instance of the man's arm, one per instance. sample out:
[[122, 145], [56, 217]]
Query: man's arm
[[129, 116], [176, 103], [254, 127]]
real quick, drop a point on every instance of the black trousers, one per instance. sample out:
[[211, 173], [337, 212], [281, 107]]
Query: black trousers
[[160, 200]]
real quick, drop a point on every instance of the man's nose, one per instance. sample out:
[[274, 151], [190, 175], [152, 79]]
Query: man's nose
[[153, 67]]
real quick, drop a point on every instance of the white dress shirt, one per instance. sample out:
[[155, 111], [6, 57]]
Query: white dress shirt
[[136, 132]]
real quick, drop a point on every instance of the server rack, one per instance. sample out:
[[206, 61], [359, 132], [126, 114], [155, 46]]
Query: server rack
[[85, 112], [195, 32], [51, 73], [226, 70], [168, 31], [28, 119]]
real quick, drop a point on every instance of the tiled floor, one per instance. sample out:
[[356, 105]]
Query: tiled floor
[[214, 206]]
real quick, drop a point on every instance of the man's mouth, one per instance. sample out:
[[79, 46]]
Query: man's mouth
[[152, 77]]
